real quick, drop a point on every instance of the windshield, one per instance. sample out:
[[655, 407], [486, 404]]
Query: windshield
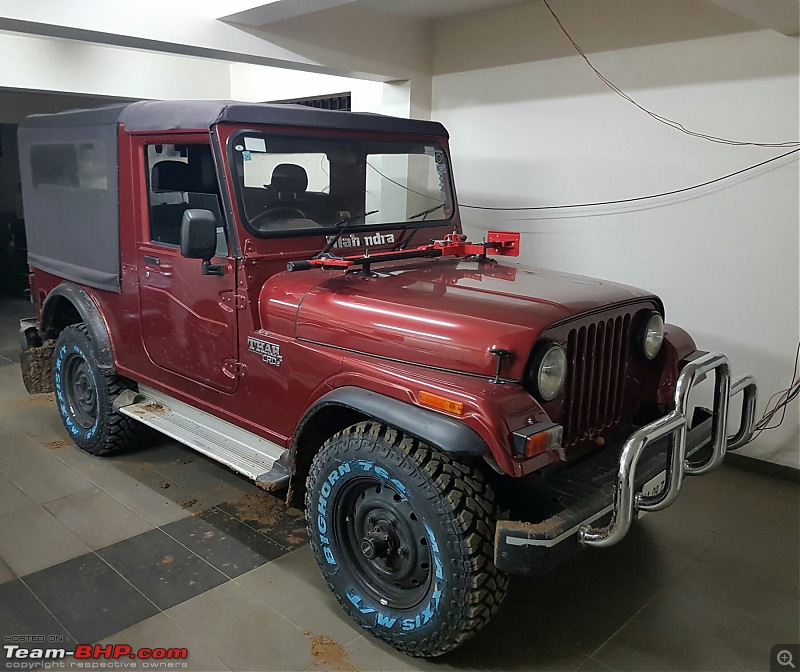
[[291, 185]]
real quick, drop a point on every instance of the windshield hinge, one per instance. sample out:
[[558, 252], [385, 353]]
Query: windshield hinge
[[233, 301]]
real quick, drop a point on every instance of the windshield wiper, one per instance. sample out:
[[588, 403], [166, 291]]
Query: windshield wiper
[[425, 213], [404, 243], [343, 223]]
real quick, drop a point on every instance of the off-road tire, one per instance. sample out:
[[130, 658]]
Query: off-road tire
[[457, 508], [101, 431]]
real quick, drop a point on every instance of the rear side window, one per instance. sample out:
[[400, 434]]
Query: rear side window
[[69, 167]]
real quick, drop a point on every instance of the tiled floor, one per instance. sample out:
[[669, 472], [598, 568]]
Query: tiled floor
[[161, 547]]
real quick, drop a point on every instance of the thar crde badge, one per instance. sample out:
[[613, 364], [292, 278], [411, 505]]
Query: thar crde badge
[[270, 352]]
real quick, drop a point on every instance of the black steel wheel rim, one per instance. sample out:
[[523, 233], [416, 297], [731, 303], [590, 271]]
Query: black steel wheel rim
[[384, 542], [80, 391]]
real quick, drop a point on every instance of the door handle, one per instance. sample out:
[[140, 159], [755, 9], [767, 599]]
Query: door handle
[[154, 265]]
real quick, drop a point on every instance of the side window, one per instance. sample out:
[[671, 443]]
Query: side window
[[69, 168], [180, 177]]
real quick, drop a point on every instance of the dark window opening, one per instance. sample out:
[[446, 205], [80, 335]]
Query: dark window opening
[[337, 101]]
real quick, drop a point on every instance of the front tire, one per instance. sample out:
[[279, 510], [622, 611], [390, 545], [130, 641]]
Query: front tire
[[85, 396], [404, 537]]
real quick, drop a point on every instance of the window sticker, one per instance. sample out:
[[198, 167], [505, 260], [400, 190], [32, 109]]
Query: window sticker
[[429, 151], [246, 156], [255, 144]]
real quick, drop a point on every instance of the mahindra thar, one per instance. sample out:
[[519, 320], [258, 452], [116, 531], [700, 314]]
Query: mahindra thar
[[288, 291]]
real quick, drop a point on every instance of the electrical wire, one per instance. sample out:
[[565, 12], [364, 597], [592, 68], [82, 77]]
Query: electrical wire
[[781, 400], [597, 203], [658, 117]]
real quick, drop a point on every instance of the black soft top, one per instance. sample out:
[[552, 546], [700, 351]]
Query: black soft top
[[73, 229], [194, 114]]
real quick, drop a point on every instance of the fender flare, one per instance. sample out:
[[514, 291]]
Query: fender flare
[[90, 316], [447, 434]]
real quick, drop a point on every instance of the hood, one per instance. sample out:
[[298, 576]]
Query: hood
[[438, 313]]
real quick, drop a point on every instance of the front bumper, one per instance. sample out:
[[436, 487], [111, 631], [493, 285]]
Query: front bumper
[[658, 452]]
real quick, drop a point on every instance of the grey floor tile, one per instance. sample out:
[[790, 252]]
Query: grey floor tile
[[785, 512], [33, 539], [742, 595], [592, 665], [36, 416], [765, 486], [16, 448], [268, 513], [89, 598], [772, 536], [242, 632], [676, 632], [161, 568], [21, 613], [748, 558], [12, 498], [224, 542], [97, 518], [676, 535], [369, 653], [572, 610], [306, 554], [11, 387], [712, 509], [97, 469], [46, 479], [161, 631], [296, 589], [6, 574], [203, 480], [147, 502], [68, 453]]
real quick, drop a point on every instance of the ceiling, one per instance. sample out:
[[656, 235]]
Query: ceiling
[[271, 11], [435, 9], [780, 15]]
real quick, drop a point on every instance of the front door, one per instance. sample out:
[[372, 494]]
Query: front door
[[188, 320]]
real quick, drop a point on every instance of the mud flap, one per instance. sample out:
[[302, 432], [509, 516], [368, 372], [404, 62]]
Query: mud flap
[[37, 368]]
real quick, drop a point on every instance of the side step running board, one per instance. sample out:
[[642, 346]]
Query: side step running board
[[245, 452]]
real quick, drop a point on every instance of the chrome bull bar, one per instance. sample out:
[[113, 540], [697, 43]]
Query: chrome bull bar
[[675, 426]]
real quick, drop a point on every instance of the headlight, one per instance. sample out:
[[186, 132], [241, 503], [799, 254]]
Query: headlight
[[653, 336], [549, 371]]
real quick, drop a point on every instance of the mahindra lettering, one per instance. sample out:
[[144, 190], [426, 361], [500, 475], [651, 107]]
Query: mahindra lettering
[[288, 291]]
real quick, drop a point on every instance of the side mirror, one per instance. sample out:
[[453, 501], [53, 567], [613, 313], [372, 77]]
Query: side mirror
[[199, 238]]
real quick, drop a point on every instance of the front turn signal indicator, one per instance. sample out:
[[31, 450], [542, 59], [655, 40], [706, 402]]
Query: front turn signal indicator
[[537, 439], [441, 403]]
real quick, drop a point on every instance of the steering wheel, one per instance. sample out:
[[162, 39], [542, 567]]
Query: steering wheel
[[279, 213]]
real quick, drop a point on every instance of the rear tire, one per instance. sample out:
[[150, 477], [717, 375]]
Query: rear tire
[[85, 396], [404, 535]]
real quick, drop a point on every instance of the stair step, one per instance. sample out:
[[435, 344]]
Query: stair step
[[260, 460]]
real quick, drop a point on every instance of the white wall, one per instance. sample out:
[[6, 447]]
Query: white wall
[[71, 66], [531, 125]]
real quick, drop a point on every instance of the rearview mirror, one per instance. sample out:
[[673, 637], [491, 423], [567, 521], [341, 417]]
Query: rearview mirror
[[199, 238]]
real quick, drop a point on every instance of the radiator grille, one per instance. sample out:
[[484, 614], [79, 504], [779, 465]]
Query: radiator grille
[[598, 357]]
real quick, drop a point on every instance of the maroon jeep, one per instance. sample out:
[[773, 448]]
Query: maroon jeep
[[288, 291]]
